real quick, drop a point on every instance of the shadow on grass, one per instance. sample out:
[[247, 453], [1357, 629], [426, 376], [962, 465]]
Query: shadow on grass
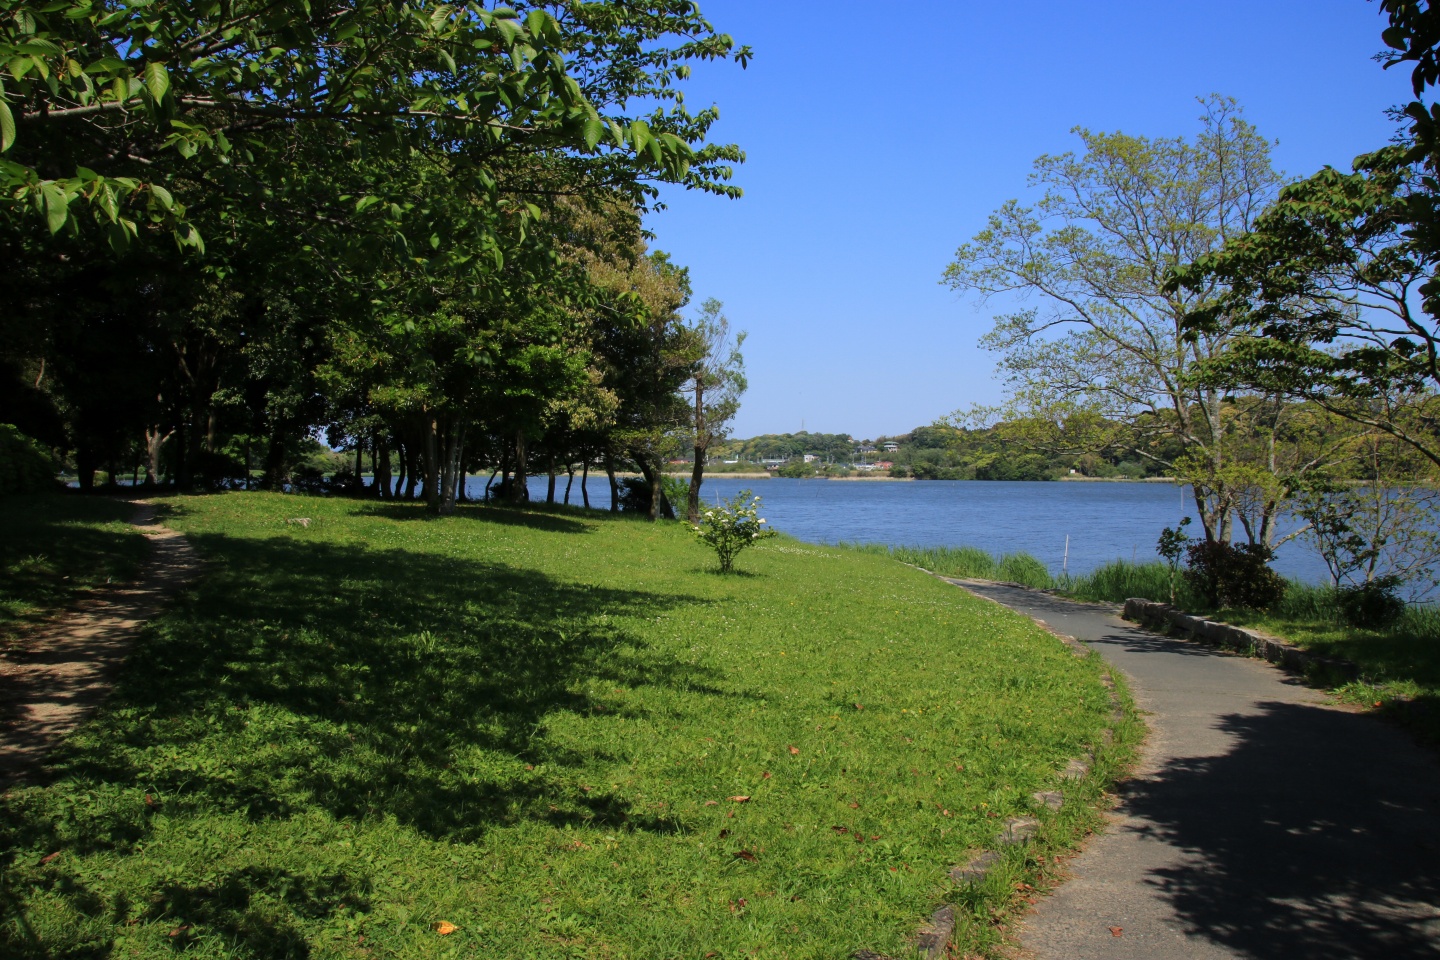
[[53, 549], [1312, 836], [367, 683], [486, 513]]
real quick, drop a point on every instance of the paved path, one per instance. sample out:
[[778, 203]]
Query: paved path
[[1263, 821], [65, 667]]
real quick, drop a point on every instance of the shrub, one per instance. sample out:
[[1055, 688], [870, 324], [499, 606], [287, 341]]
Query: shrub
[[24, 467], [1375, 603], [1227, 575], [732, 527], [635, 495]]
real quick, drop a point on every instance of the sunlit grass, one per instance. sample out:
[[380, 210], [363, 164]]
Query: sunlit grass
[[536, 726]]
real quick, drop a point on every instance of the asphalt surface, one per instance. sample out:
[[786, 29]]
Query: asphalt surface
[[1263, 821]]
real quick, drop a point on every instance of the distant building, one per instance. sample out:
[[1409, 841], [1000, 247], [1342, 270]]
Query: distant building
[[891, 446], [883, 464], [811, 458]]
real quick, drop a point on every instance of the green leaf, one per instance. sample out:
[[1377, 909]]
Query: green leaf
[[57, 207], [157, 81], [163, 195], [640, 135], [594, 130], [7, 125]]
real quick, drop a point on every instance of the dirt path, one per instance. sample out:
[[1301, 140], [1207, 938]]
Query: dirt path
[[1263, 821], [65, 668]]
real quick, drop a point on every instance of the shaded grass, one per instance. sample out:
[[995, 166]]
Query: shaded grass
[[531, 725], [56, 548]]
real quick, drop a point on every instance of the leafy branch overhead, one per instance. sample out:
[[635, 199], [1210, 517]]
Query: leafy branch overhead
[[102, 105]]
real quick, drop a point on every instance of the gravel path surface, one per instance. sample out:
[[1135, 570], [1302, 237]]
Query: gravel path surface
[[1263, 821], [65, 668]]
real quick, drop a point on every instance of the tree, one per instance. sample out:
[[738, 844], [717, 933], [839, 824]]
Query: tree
[[716, 382], [1105, 362], [109, 106]]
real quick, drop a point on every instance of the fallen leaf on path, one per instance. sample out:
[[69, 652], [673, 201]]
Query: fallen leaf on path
[[741, 799], [445, 928], [745, 855], [1116, 931], [48, 857], [794, 750], [711, 803]]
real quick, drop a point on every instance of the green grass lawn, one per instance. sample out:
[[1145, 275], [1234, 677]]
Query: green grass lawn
[[1399, 665], [57, 548], [538, 727]]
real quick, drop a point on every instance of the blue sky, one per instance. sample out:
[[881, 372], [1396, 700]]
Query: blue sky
[[879, 136]]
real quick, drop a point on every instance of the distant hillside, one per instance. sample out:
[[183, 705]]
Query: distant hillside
[[926, 453]]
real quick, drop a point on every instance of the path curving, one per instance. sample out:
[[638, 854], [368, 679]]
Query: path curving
[[66, 667], [1263, 821]]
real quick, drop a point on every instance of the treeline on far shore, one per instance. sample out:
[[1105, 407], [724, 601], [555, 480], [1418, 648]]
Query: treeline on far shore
[[935, 452]]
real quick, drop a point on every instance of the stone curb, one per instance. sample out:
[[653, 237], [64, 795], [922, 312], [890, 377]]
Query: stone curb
[[1217, 634], [933, 938]]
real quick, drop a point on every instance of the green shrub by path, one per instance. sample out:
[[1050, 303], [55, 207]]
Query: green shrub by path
[[534, 725], [24, 467], [55, 547]]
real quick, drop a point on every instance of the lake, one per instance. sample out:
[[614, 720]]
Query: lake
[[1104, 521]]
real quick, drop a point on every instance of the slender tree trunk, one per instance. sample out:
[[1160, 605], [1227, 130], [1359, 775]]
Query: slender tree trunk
[[381, 446], [585, 475], [460, 496], [452, 442], [569, 481], [614, 484], [430, 493], [550, 486], [490, 483], [358, 489], [697, 472], [519, 490], [697, 476], [182, 456]]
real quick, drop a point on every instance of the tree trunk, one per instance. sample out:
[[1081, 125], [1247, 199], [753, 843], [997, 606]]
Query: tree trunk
[[451, 440], [697, 475], [697, 472], [651, 472], [585, 475], [614, 484], [430, 493], [519, 490], [381, 456], [358, 487], [569, 481], [550, 486]]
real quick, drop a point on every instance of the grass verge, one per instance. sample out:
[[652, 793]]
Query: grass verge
[[1399, 665], [57, 548], [541, 734]]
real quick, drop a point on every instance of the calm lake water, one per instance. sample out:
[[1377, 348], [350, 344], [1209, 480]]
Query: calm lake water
[[1104, 521]]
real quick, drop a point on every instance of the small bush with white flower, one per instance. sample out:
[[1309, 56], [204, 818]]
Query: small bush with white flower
[[732, 527]]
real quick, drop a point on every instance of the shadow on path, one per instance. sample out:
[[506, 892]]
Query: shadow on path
[[1263, 822]]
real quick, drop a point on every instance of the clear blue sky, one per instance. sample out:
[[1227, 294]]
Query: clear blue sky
[[879, 136]]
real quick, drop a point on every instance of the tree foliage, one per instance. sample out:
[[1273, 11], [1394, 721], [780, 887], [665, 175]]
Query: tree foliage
[[1105, 362]]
